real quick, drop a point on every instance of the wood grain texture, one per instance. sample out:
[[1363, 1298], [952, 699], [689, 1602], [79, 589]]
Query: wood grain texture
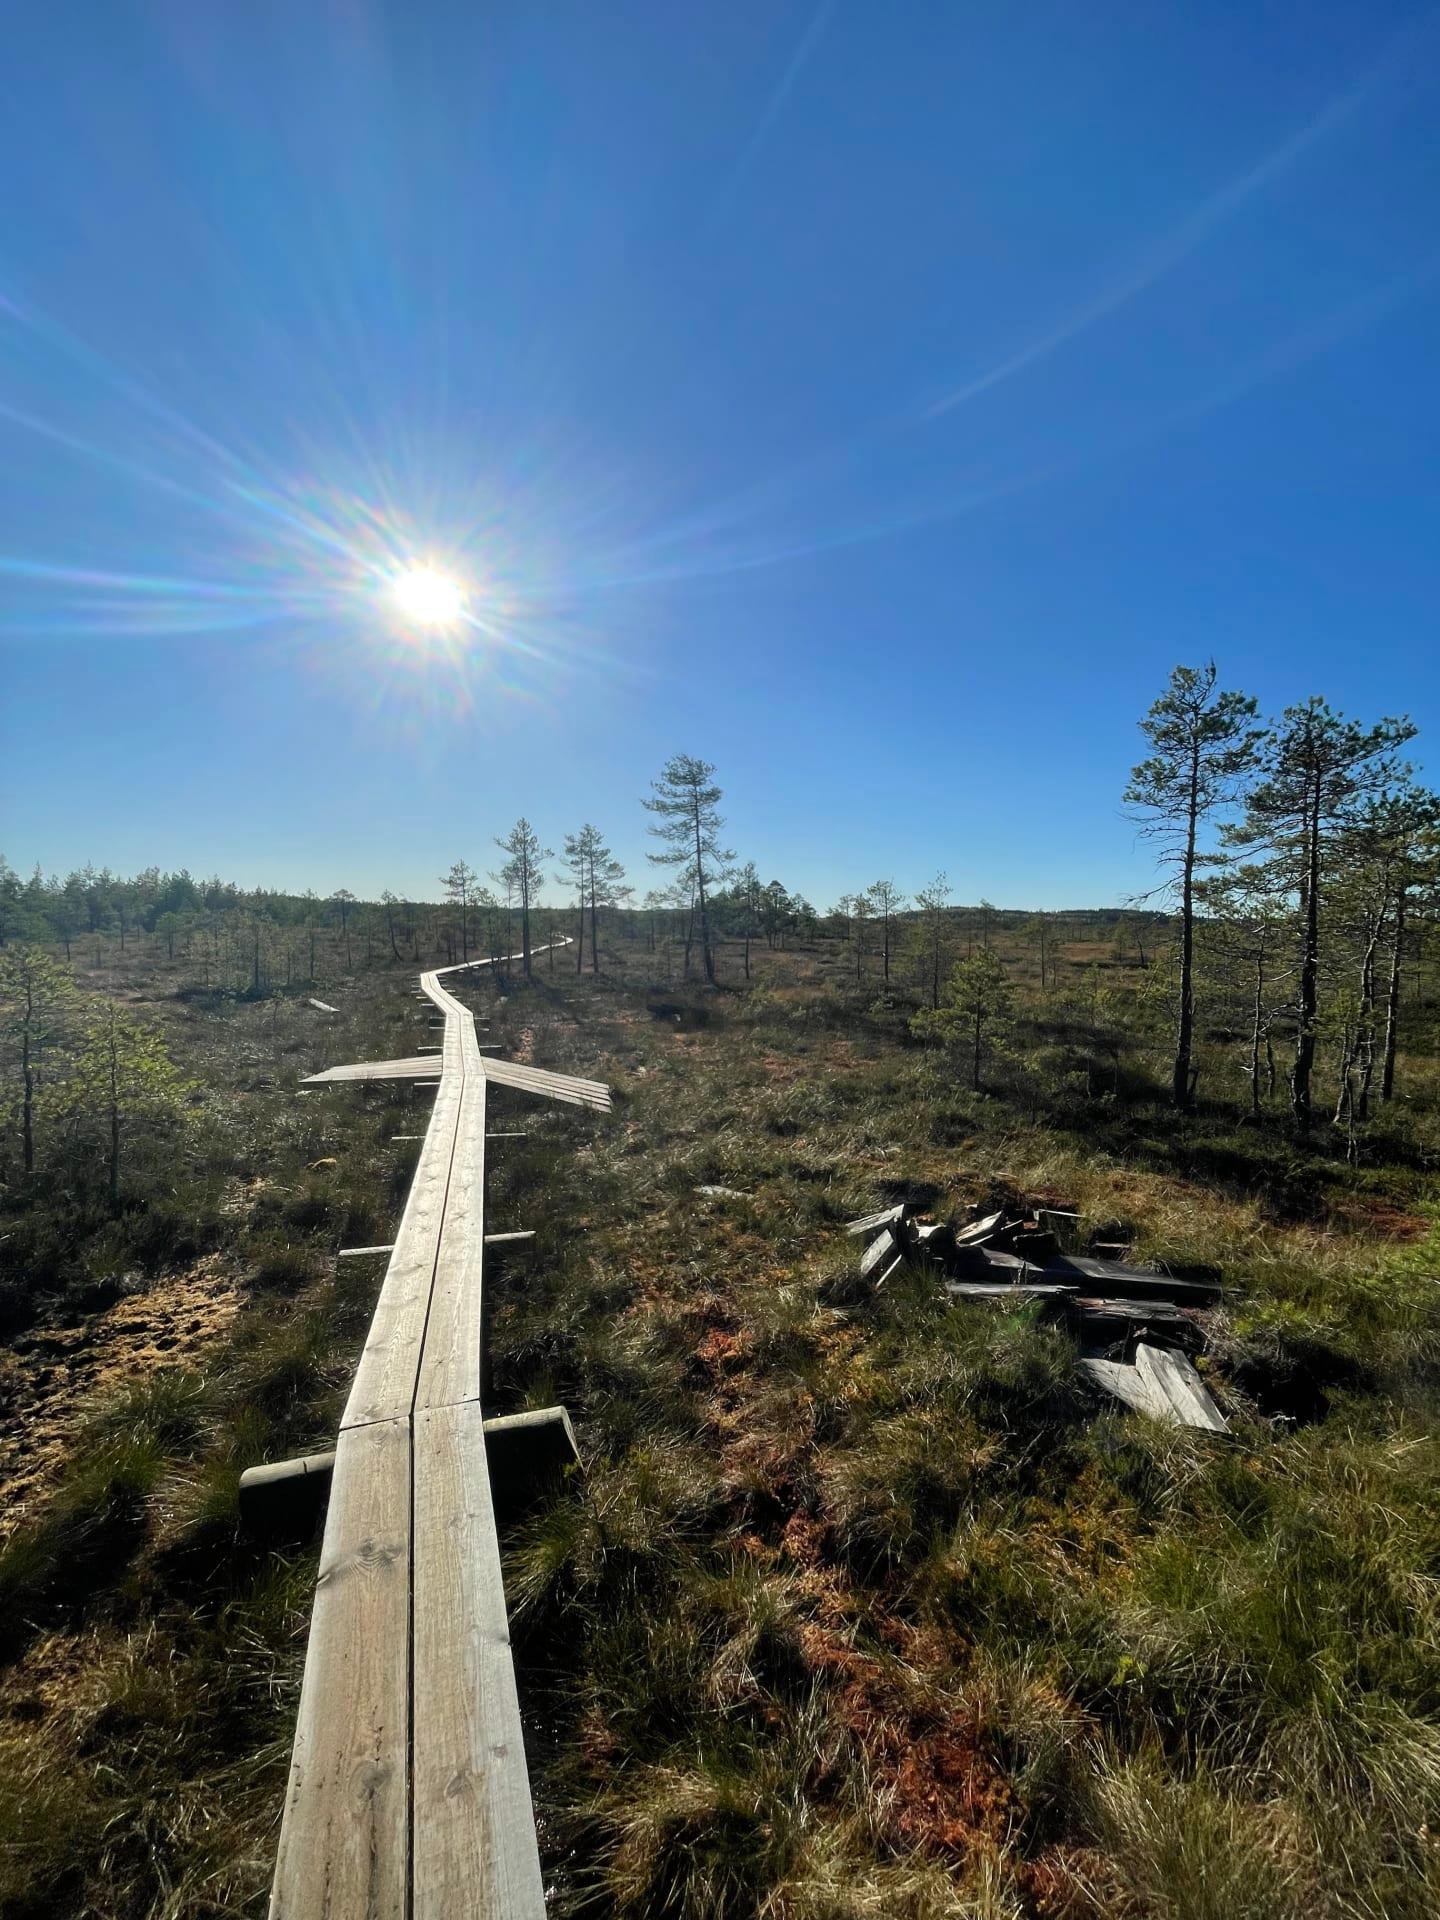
[[409, 1796], [474, 1827], [413, 1067], [550, 1086], [450, 1363], [1176, 1385], [344, 1838], [384, 1384]]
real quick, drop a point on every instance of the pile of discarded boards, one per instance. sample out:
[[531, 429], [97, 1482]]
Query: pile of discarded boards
[[1136, 1328]]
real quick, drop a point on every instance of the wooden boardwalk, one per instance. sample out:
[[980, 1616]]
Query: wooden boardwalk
[[408, 1796]]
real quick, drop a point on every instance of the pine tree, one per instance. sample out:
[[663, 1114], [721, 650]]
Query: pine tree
[[685, 801], [37, 996], [459, 885], [933, 931], [123, 1077], [1205, 743], [523, 877], [886, 900], [975, 1010], [1319, 772]]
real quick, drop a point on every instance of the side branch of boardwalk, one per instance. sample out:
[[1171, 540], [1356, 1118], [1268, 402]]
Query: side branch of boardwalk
[[408, 1793]]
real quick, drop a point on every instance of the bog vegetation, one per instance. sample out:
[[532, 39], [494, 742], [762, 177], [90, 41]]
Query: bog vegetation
[[865, 1605]]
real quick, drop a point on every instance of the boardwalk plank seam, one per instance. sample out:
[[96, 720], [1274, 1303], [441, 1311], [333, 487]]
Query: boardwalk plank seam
[[408, 1796]]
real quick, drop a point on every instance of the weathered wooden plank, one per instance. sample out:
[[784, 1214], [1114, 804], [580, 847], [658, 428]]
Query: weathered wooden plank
[[509, 1239], [409, 1793], [474, 1827], [551, 1086], [880, 1248], [887, 1217], [496, 960], [344, 1838], [979, 1231], [1175, 1382], [1078, 1270], [413, 1067], [450, 1364], [324, 1006], [384, 1384], [1161, 1384], [1003, 1290], [360, 1253], [1124, 1383]]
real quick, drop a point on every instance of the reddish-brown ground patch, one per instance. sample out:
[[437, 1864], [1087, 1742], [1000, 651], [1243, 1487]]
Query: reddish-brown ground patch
[[1382, 1217], [54, 1378]]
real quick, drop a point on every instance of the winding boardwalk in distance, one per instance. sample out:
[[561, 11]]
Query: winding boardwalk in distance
[[409, 1797]]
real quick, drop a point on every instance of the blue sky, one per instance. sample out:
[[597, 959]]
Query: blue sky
[[875, 400]]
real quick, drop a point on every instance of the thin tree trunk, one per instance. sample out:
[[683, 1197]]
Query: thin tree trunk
[[1256, 1035], [1300, 1101], [1365, 1033], [114, 1121], [1181, 1092], [1344, 1099], [1392, 1001], [27, 1110], [705, 950]]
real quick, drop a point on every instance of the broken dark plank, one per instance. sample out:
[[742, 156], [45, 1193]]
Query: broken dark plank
[[1173, 1379], [1004, 1290], [937, 1240], [979, 1231], [887, 1217], [1162, 1384], [1079, 1271], [880, 1248]]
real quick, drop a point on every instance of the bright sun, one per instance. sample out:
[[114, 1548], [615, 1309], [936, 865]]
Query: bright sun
[[428, 598]]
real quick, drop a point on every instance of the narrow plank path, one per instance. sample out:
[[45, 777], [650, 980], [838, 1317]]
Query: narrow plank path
[[409, 1797]]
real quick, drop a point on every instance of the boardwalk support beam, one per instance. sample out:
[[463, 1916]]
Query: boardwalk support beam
[[529, 1455]]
